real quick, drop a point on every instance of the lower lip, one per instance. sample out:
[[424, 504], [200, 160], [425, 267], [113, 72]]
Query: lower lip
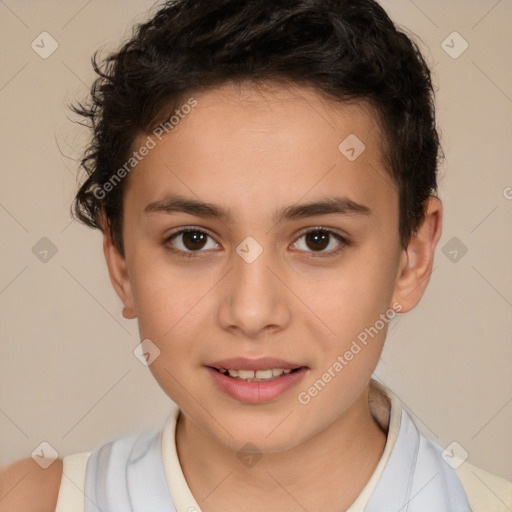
[[256, 392]]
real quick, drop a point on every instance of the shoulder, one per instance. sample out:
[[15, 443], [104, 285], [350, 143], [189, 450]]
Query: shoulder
[[486, 491], [27, 487]]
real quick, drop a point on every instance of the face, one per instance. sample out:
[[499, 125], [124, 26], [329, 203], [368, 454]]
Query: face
[[259, 271]]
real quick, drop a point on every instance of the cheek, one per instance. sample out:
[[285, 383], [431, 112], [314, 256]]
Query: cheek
[[354, 296], [169, 314], [163, 293], [168, 309], [356, 308], [174, 312]]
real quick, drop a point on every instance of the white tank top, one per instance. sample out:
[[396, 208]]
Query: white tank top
[[140, 472]]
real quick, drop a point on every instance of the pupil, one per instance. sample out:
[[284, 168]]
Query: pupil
[[320, 239], [195, 237]]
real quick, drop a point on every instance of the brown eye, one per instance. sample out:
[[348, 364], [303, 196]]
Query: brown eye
[[194, 240], [189, 240], [317, 240], [322, 241]]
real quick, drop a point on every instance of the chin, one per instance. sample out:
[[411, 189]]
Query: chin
[[269, 436]]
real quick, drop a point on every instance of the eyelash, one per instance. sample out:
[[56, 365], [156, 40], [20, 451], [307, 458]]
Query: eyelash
[[329, 254]]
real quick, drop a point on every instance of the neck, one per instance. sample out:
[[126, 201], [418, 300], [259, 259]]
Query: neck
[[327, 472]]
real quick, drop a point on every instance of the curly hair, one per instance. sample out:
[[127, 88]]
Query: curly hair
[[345, 49]]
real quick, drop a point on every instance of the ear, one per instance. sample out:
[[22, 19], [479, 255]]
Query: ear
[[117, 270], [418, 257]]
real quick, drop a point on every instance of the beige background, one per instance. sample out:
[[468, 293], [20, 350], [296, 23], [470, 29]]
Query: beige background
[[67, 372]]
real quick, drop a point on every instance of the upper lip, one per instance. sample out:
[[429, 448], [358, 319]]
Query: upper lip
[[244, 363]]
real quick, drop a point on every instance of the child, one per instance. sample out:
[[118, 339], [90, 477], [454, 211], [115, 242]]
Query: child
[[264, 175]]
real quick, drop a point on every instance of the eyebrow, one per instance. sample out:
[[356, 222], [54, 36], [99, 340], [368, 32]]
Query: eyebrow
[[338, 205]]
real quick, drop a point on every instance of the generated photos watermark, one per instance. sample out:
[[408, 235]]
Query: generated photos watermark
[[304, 397], [158, 133]]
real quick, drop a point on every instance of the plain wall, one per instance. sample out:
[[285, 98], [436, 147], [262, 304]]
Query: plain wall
[[67, 372]]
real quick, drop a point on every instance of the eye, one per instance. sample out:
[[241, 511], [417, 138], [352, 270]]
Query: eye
[[188, 241], [319, 239]]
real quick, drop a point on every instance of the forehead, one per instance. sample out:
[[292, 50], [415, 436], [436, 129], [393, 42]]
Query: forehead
[[242, 143], [238, 111]]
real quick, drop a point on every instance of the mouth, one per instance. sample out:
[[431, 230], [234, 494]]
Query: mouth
[[256, 381], [263, 375]]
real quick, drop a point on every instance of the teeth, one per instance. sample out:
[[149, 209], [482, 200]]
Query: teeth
[[245, 374], [258, 375], [263, 374]]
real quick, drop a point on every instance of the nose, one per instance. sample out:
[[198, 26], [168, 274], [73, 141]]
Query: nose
[[254, 298]]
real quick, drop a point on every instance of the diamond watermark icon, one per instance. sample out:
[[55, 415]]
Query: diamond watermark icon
[[454, 249], [351, 147], [44, 45], [45, 454], [146, 352], [454, 45], [249, 250], [454, 455], [249, 455], [44, 250]]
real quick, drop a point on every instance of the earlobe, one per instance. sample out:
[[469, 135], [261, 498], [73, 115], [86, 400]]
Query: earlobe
[[418, 257], [118, 272], [129, 313]]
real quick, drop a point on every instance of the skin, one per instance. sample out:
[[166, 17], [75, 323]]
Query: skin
[[27, 487], [253, 150]]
